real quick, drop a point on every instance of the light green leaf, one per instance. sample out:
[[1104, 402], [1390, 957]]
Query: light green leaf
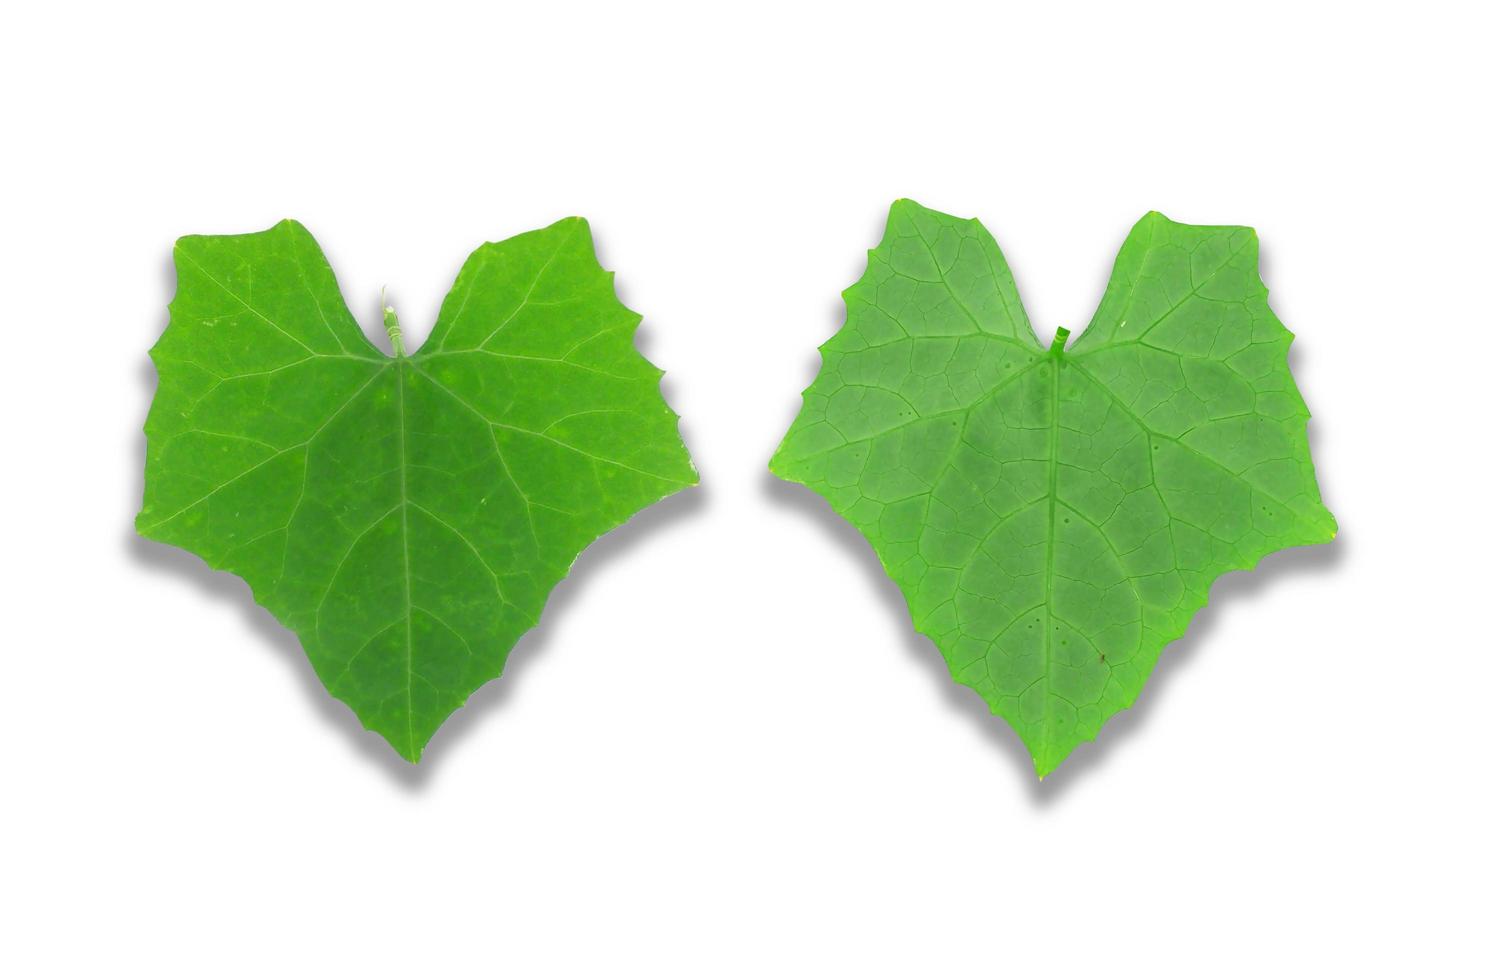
[[407, 517], [1055, 518]]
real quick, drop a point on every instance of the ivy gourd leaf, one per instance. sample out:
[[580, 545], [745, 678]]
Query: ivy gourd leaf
[[1054, 517], [407, 517]]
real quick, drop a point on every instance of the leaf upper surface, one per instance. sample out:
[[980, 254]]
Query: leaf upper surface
[[1056, 517], [407, 517]]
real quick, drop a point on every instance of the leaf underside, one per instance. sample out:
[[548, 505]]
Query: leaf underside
[[1055, 518], [407, 517]]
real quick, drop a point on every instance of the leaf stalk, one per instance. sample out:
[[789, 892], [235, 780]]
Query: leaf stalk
[[391, 324]]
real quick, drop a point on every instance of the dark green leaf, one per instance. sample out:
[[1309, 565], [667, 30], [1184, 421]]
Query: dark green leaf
[[407, 517]]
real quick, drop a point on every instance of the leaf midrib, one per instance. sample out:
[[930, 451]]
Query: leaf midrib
[[404, 534], [1056, 359]]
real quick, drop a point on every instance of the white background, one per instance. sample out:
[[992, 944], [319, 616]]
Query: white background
[[724, 752]]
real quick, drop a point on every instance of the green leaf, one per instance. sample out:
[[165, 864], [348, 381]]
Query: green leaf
[[1055, 518], [407, 517]]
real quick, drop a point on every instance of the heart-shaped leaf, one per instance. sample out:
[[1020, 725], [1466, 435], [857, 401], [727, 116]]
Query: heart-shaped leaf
[[1055, 518], [407, 517]]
